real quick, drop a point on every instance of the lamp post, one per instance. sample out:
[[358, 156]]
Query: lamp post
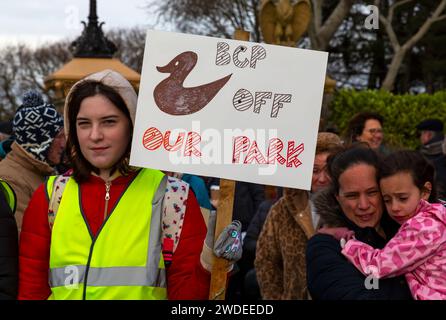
[[92, 52]]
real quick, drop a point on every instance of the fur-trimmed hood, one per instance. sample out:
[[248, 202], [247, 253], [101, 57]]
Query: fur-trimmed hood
[[328, 208]]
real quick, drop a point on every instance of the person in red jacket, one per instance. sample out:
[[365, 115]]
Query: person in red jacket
[[109, 237]]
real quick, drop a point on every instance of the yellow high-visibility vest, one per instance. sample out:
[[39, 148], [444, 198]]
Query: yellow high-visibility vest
[[9, 194], [124, 260]]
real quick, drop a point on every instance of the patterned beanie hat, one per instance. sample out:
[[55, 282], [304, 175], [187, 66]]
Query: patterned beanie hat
[[35, 125]]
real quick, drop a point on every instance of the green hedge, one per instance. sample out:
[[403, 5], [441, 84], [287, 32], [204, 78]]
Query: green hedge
[[401, 112]]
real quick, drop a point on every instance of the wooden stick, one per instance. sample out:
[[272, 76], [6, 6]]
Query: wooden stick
[[240, 34], [224, 217]]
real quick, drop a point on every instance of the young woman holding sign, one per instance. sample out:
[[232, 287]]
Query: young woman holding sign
[[112, 231]]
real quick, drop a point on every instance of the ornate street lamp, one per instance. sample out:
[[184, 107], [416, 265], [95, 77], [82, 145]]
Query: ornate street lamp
[[92, 52]]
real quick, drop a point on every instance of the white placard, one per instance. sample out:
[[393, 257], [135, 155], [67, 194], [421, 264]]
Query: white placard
[[230, 109]]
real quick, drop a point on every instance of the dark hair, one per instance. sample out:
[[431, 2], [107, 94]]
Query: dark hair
[[81, 167], [357, 124], [412, 162], [6, 127], [339, 162]]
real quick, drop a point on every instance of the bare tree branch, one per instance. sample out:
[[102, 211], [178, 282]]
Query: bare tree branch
[[400, 51], [390, 32], [328, 29], [209, 17], [425, 27], [317, 15], [240, 13], [393, 7], [442, 17]]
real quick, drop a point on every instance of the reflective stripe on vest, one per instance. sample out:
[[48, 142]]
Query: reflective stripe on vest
[[115, 264], [97, 277], [9, 195]]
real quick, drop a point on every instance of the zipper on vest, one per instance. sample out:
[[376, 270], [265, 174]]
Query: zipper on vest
[[107, 197]]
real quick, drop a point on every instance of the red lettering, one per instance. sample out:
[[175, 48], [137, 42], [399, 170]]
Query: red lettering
[[241, 144], [255, 154], [293, 153], [193, 139], [274, 148], [177, 145], [152, 139]]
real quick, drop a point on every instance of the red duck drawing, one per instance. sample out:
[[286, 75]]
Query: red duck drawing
[[173, 98]]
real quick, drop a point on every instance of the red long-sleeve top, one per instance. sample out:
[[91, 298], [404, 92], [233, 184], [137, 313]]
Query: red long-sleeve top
[[186, 278]]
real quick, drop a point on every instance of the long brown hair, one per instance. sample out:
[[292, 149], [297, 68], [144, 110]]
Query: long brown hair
[[82, 168]]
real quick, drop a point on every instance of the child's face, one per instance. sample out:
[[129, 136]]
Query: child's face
[[401, 196]]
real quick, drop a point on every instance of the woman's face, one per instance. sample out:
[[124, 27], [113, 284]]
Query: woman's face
[[320, 177], [401, 196], [359, 195], [103, 131], [372, 133]]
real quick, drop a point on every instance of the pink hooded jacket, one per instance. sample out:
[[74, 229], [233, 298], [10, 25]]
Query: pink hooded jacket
[[418, 250]]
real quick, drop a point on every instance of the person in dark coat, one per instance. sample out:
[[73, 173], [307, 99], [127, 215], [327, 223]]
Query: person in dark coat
[[6, 138], [5, 129], [8, 244], [431, 138], [251, 289], [356, 204], [247, 199], [254, 229]]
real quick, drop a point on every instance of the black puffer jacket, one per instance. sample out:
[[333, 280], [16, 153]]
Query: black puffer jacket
[[8, 252], [253, 232], [247, 199], [329, 274]]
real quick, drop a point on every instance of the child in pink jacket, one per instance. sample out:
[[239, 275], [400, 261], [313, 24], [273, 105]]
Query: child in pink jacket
[[418, 250]]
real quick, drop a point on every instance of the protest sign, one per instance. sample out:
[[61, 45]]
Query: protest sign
[[231, 109]]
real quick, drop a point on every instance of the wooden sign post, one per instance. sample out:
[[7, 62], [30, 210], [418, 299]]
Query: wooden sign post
[[224, 217]]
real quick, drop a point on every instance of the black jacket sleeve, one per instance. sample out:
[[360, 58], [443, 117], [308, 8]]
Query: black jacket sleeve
[[257, 192], [8, 252], [331, 277], [247, 198], [254, 229]]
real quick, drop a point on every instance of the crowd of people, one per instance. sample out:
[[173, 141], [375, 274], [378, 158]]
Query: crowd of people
[[71, 205]]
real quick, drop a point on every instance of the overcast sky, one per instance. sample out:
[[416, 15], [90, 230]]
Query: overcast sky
[[37, 21]]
